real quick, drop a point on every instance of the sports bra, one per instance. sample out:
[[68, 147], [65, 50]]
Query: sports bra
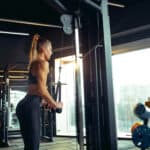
[[33, 80]]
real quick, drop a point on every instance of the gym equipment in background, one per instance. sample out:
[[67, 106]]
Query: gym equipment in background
[[141, 131]]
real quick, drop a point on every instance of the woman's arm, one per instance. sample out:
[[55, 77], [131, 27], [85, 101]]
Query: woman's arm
[[42, 70]]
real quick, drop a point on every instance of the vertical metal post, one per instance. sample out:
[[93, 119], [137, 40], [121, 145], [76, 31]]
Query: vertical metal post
[[5, 101], [78, 96], [111, 125], [1, 113]]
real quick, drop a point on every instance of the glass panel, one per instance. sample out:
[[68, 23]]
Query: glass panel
[[131, 80], [65, 122], [15, 97]]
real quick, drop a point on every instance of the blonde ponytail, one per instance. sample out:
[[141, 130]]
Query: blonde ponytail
[[33, 50]]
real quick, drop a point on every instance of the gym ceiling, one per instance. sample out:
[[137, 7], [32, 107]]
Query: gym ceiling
[[134, 15], [41, 11]]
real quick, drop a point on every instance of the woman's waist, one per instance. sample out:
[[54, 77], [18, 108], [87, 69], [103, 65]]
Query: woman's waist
[[32, 89]]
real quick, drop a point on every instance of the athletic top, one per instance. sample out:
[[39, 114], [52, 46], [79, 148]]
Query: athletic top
[[33, 80]]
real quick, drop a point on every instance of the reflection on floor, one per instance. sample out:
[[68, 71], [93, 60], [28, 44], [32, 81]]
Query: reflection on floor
[[65, 144], [126, 145]]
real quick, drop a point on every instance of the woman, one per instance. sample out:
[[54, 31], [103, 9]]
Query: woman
[[28, 109]]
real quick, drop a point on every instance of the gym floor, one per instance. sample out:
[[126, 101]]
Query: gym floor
[[64, 144]]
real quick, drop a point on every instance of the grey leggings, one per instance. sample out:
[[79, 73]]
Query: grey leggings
[[28, 113]]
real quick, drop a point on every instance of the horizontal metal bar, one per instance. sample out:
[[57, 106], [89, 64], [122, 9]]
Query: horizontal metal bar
[[116, 5], [131, 31], [29, 23], [96, 6], [15, 77], [15, 71], [131, 46], [23, 79], [25, 85], [19, 71], [14, 33]]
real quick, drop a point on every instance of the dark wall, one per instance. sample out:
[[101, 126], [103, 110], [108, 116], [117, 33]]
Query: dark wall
[[14, 49], [28, 10], [10, 45]]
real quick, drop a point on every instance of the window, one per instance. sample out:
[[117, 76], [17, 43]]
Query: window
[[15, 97], [66, 121], [131, 80]]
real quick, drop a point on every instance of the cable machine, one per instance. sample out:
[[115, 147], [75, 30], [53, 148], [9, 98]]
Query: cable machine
[[99, 107], [98, 88]]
